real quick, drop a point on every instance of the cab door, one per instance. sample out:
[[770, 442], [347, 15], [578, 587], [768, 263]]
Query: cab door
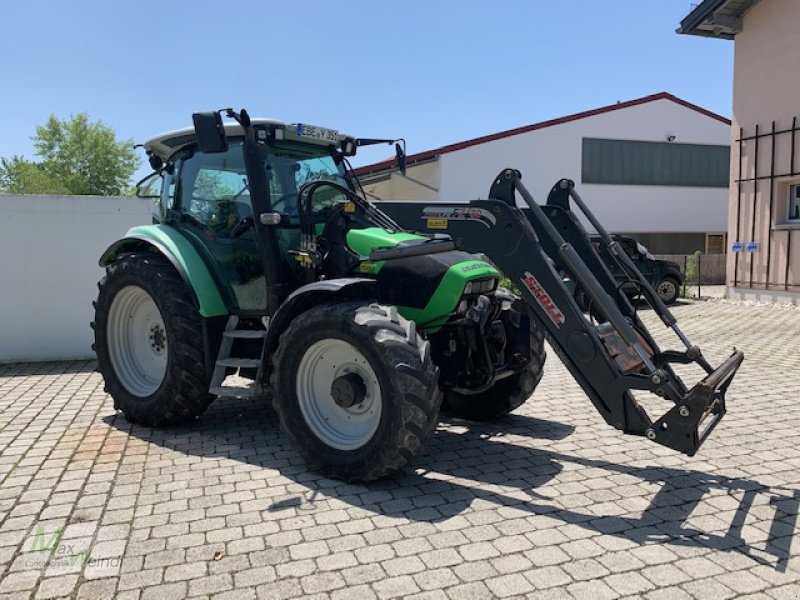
[[215, 214]]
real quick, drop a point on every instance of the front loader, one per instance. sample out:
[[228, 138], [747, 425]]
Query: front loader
[[270, 263], [609, 359]]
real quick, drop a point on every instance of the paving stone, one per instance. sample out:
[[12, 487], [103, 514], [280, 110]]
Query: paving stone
[[597, 590], [254, 577], [357, 591], [742, 582], [511, 563], [185, 571], [55, 587], [708, 589], [284, 588], [547, 577], [395, 587], [440, 558], [99, 588], [140, 579], [321, 582], [21, 581], [670, 593], [168, 591], [470, 591], [210, 584], [628, 584], [509, 585], [548, 503]]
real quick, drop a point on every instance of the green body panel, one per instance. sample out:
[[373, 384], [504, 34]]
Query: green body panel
[[446, 297], [364, 241], [184, 256]]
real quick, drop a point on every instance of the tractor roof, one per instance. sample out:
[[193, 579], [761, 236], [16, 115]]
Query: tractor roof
[[166, 144]]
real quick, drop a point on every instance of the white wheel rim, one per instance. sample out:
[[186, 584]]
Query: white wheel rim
[[666, 289], [137, 341], [338, 427]]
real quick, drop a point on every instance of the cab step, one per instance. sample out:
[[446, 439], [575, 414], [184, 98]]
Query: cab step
[[245, 334], [228, 391], [239, 363], [225, 361]]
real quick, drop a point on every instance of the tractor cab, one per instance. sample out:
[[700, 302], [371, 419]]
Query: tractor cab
[[294, 220], [207, 196]]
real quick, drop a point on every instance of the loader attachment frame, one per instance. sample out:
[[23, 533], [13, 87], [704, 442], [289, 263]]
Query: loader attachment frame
[[609, 359]]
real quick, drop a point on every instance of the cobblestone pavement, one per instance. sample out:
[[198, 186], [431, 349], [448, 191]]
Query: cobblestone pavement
[[549, 502], [706, 291]]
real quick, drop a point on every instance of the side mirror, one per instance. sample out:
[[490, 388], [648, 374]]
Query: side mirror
[[210, 132], [150, 186], [401, 158]]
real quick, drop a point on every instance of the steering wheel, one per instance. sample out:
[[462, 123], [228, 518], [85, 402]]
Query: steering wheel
[[289, 202], [309, 187]]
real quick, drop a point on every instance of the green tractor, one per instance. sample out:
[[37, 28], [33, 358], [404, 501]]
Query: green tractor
[[268, 262]]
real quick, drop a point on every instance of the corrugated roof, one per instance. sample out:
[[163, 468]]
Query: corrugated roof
[[431, 154]]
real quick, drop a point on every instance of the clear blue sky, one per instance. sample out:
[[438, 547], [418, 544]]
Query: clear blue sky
[[434, 72]]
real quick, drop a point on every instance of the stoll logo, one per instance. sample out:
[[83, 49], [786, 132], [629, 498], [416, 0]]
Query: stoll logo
[[544, 299]]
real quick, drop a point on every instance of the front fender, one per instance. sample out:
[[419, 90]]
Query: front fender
[[311, 295], [179, 251]]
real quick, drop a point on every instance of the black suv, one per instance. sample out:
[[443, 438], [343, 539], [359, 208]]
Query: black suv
[[664, 275]]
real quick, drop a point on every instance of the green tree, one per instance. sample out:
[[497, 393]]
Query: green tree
[[77, 157], [21, 176]]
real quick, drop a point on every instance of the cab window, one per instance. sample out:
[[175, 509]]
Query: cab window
[[214, 191]]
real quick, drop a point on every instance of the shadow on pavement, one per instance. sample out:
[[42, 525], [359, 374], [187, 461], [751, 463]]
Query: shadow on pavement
[[28, 369], [468, 461]]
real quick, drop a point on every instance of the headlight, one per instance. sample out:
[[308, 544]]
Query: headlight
[[480, 286]]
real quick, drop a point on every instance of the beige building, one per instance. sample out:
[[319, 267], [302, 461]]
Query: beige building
[[764, 203]]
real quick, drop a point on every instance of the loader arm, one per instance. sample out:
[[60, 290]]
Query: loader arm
[[609, 359]]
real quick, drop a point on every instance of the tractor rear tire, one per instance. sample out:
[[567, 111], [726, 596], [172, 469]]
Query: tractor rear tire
[[149, 343], [355, 390], [505, 395]]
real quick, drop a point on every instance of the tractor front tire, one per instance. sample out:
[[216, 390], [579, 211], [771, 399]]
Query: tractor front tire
[[148, 340], [505, 395], [355, 390]]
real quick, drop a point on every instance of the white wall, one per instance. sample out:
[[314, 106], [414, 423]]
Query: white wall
[[49, 247], [547, 155]]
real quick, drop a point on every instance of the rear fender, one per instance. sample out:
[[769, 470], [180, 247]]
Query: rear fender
[[168, 242]]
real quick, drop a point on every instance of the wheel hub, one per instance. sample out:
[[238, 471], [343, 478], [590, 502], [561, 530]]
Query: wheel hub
[[666, 289], [137, 341], [348, 390], [158, 338], [338, 393]]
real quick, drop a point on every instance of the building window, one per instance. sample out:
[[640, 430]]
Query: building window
[[628, 162], [794, 203], [715, 243]]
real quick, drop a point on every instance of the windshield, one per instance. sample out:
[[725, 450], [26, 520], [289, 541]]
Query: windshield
[[290, 165]]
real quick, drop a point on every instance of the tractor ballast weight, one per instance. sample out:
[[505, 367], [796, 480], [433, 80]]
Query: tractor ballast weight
[[608, 360]]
